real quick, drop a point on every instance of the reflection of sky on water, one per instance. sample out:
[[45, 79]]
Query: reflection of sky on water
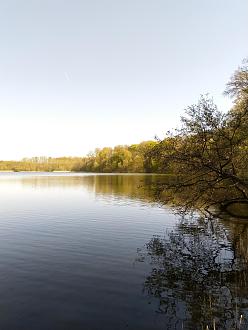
[[68, 251]]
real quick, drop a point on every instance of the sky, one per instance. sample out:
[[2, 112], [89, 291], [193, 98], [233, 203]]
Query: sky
[[81, 74]]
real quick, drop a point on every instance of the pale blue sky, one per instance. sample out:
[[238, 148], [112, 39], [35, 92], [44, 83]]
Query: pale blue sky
[[77, 74]]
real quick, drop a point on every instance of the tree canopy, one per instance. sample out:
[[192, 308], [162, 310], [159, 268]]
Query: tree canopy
[[121, 158], [209, 152]]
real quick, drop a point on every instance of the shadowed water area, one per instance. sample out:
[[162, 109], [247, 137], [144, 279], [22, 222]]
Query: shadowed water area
[[81, 251]]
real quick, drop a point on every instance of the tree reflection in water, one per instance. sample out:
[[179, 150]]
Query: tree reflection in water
[[199, 275]]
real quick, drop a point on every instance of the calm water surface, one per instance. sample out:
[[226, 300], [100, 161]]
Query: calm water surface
[[96, 252]]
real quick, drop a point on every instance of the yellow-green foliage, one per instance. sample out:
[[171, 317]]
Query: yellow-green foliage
[[122, 158]]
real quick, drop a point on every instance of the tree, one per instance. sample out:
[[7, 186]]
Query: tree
[[209, 151]]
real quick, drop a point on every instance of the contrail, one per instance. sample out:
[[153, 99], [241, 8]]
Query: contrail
[[67, 76]]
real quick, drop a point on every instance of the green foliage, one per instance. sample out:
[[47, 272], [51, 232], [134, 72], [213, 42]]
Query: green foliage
[[209, 151], [135, 159], [123, 159]]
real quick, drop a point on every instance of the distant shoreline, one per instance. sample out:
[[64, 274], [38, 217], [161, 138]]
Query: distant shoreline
[[11, 171], [78, 172]]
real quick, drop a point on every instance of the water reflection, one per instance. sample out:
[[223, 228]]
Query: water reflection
[[131, 186], [195, 276], [67, 258], [199, 275]]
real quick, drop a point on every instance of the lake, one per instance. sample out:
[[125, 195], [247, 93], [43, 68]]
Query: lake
[[96, 251]]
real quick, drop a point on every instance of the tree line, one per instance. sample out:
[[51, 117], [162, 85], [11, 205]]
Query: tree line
[[135, 158]]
